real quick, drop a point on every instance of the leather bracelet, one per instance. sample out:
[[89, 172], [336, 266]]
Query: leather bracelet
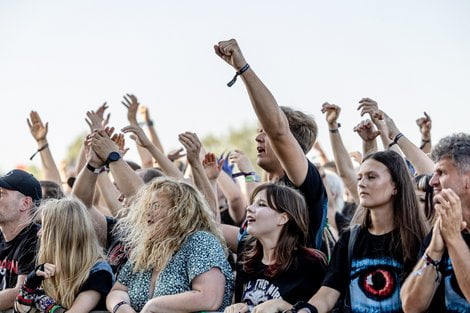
[[395, 140], [117, 306], [39, 150], [304, 305]]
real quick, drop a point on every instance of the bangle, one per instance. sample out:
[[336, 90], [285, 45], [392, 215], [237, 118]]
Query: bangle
[[424, 142], [335, 130], [56, 308], [241, 71], [117, 306], [304, 305], [150, 123], [395, 140], [39, 150]]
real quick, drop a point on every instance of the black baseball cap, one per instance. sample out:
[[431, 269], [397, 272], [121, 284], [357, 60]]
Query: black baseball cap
[[23, 182]]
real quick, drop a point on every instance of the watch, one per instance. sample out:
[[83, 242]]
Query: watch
[[112, 157]]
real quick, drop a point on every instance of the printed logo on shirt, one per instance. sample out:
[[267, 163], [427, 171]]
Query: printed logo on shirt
[[258, 291], [375, 285], [455, 300], [5, 267]]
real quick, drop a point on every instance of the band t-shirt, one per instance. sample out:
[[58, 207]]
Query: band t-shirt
[[375, 275], [17, 256], [299, 283], [448, 296]]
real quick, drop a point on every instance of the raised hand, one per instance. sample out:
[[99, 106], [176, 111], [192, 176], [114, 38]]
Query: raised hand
[[391, 128], [138, 135], [332, 113], [36, 126], [449, 208], [212, 166], [191, 143], [425, 125], [102, 144], [47, 272], [366, 130], [368, 106], [230, 52], [94, 121], [176, 154], [243, 163], [120, 141], [132, 105]]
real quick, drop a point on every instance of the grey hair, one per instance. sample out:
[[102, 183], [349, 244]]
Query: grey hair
[[457, 148], [335, 185]]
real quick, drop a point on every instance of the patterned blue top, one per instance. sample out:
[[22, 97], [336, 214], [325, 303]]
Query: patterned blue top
[[199, 253]]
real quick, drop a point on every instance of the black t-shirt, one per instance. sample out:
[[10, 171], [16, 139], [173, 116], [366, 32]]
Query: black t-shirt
[[448, 296], [300, 282], [17, 256], [101, 279], [315, 195], [115, 251], [376, 273]]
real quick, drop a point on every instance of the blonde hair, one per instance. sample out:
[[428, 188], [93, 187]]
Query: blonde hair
[[184, 212], [68, 240]]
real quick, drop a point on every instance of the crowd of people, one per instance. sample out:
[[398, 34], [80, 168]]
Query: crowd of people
[[186, 232]]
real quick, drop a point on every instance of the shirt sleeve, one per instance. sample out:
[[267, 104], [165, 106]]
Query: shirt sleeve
[[101, 281], [124, 275], [338, 272], [315, 195], [205, 253]]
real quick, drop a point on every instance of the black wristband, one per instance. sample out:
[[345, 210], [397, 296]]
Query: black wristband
[[335, 130], [33, 281], [117, 306], [304, 305], [241, 71], [39, 150], [395, 140]]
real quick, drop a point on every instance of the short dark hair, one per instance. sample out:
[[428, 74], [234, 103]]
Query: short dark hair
[[302, 126], [455, 147], [51, 190]]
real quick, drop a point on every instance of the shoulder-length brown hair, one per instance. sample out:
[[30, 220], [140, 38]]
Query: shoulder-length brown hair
[[293, 235], [407, 216]]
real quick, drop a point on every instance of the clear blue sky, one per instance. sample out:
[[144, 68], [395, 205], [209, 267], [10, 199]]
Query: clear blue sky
[[62, 58]]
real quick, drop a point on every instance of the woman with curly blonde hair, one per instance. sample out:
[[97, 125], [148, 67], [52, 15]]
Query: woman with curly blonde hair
[[72, 274], [176, 259]]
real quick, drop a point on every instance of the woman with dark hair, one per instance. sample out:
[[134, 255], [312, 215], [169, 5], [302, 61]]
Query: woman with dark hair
[[380, 251], [273, 264]]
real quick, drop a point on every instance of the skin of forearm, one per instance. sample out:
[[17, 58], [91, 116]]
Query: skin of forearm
[[369, 146], [7, 298], [190, 301], [418, 290], [421, 162], [49, 167], [84, 187], [155, 139], [204, 185], [109, 193], [81, 160], [459, 253], [168, 167], [268, 112], [427, 146], [325, 299], [343, 163], [116, 296], [126, 179]]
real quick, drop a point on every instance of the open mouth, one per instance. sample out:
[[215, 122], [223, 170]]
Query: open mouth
[[260, 150], [250, 219]]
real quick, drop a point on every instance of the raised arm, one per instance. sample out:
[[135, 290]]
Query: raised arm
[[132, 105], [192, 144], [126, 179], [252, 179], [420, 160], [366, 130], [168, 167], [144, 111], [39, 133], [343, 162], [425, 125], [273, 121]]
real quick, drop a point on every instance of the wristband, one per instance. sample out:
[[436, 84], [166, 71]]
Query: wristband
[[150, 123], [33, 281], [117, 306], [335, 130], [241, 71], [304, 305], [94, 170], [423, 143], [395, 140], [252, 178], [39, 150]]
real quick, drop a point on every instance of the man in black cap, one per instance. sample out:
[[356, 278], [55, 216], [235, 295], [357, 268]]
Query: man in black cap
[[20, 193]]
